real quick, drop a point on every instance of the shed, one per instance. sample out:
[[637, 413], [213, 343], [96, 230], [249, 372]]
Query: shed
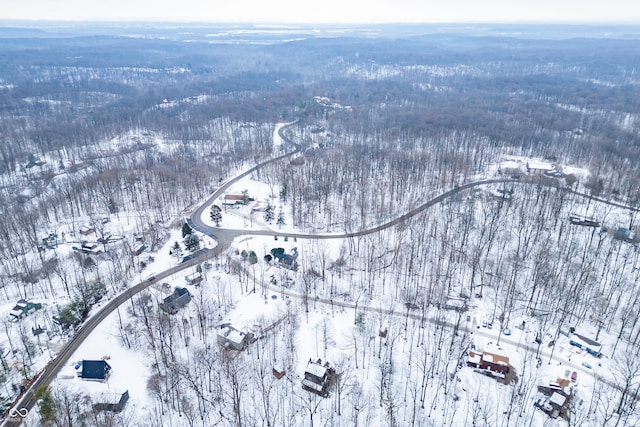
[[115, 404]]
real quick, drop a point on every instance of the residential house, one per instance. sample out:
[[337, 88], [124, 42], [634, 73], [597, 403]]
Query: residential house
[[592, 347], [174, 302], [455, 303], [557, 397], [234, 199], [230, 337], [23, 308], [51, 241], [94, 370], [493, 364], [90, 248], [318, 377], [286, 260], [278, 373], [540, 168], [583, 220]]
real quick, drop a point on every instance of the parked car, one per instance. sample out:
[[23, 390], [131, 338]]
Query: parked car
[[586, 365], [574, 376]]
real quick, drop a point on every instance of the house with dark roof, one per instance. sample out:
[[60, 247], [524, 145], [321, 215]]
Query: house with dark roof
[[95, 370], [174, 302]]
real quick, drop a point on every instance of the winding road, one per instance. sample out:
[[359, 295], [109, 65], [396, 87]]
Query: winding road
[[224, 237]]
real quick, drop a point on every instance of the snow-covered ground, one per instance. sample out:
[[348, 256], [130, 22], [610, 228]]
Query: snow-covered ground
[[397, 364]]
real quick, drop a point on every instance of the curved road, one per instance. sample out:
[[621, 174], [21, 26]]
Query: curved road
[[27, 400], [231, 233], [224, 238]]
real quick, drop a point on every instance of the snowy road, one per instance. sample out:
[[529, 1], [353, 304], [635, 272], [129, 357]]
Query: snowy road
[[226, 236]]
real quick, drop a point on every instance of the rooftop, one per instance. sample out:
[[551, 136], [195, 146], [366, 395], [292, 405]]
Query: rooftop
[[316, 369]]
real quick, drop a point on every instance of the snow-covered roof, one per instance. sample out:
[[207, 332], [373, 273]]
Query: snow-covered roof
[[557, 399], [312, 385], [236, 336], [540, 166], [495, 358], [586, 342], [316, 369]]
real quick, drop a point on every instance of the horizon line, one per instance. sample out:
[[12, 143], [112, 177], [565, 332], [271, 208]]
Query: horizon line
[[308, 23]]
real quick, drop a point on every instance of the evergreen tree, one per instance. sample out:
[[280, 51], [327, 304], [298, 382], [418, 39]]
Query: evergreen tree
[[216, 214], [283, 192], [268, 213], [186, 229], [45, 404], [192, 242]]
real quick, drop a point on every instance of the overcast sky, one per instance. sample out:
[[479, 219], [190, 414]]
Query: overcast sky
[[326, 11]]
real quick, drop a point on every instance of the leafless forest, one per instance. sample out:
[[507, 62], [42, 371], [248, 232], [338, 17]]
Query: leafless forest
[[93, 126]]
